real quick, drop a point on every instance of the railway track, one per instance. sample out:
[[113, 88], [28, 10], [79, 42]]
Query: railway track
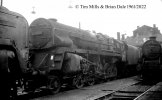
[[91, 92], [122, 89], [138, 91]]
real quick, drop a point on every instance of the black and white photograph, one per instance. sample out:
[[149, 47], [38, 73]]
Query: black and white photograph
[[80, 49]]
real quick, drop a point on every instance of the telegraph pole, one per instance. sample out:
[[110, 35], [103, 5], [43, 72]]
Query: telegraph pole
[[1, 2], [79, 25]]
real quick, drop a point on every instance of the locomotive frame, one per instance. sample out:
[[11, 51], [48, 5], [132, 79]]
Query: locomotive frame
[[60, 52]]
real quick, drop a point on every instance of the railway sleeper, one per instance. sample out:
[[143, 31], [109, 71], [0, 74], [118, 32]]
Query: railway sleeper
[[129, 96]]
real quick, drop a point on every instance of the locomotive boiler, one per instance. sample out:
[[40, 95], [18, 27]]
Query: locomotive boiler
[[47, 33], [151, 58]]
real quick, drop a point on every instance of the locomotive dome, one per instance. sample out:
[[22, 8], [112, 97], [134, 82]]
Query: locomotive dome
[[47, 33]]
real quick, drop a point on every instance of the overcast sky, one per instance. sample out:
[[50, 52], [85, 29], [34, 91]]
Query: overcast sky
[[105, 20]]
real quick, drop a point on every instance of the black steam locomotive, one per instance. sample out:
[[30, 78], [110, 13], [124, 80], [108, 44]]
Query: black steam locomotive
[[151, 59], [52, 54]]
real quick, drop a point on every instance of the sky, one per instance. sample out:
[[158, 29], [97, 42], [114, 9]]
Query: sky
[[107, 16]]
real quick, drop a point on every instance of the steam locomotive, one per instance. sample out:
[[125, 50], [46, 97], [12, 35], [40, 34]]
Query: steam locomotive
[[13, 43], [151, 59], [48, 54]]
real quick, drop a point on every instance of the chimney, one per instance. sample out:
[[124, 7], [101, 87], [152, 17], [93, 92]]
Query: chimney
[[53, 19], [152, 37], [154, 29], [137, 27], [118, 35], [123, 37]]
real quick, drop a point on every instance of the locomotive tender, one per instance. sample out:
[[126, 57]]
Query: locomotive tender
[[151, 58], [50, 54]]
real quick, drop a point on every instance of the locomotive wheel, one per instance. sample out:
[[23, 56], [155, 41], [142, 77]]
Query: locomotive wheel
[[91, 81], [111, 70], [78, 82], [114, 70], [54, 84]]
